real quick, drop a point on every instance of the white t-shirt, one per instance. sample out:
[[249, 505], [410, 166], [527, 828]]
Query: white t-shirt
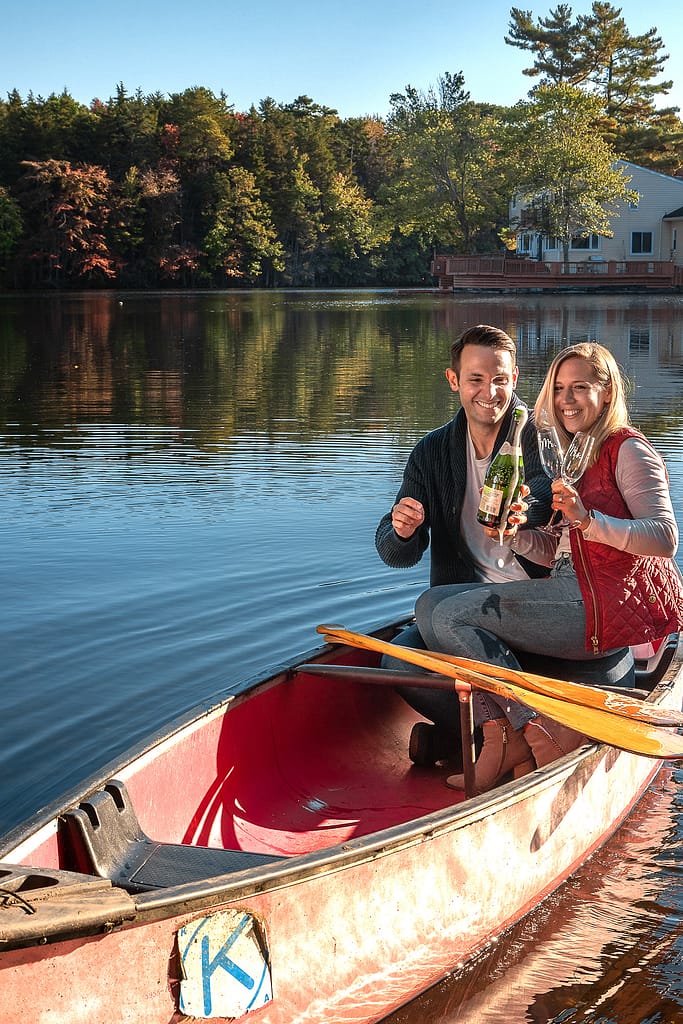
[[494, 562]]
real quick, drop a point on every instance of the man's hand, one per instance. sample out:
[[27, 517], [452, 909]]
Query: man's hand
[[407, 516]]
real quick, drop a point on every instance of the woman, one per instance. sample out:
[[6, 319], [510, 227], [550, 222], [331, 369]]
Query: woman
[[612, 583]]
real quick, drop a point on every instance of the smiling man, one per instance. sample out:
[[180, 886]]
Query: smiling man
[[437, 503]]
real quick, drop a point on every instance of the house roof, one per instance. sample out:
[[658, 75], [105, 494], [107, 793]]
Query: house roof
[[648, 170], [675, 214]]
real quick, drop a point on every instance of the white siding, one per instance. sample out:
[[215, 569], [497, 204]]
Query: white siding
[[659, 194]]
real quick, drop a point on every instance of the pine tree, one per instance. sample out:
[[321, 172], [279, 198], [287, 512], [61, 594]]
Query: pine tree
[[598, 53]]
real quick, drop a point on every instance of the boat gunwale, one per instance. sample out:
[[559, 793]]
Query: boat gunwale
[[351, 853], [193, 897]]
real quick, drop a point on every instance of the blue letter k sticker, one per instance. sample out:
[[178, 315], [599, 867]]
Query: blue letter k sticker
[[222, 961]]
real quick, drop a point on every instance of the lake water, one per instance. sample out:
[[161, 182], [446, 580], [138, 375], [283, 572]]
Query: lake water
[[190, 483]]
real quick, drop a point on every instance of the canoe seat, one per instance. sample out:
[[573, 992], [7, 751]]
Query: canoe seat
[[105, 839], [615, 669]]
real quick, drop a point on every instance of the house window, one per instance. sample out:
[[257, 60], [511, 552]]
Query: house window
[[673, 240], [550, 244], [641, 243], [585, 242], [639, 339], [524, 243]]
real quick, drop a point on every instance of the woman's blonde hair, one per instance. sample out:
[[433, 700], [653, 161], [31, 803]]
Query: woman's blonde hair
[[607, 373]]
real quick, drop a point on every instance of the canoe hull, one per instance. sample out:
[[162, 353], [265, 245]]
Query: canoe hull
[[347, 931]]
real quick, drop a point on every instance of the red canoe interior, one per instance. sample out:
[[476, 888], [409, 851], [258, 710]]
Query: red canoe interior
[[303, 765], [300, 763]]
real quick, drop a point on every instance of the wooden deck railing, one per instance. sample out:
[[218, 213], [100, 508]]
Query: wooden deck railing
[[499, 271]]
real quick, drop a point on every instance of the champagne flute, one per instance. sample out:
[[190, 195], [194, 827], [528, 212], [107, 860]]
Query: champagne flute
[[574, 463], [551, 454]]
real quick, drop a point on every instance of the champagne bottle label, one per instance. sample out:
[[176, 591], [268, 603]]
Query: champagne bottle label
[[491, 501]]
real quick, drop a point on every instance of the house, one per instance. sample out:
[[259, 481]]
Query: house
[[651, 229], [645, 252]]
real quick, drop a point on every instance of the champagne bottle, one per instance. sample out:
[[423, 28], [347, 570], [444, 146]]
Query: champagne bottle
[[504, 477]]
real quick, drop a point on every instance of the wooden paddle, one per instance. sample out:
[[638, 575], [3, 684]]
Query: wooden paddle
[[561, 689], [601, 724]]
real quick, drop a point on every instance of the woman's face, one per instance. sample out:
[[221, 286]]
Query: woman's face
[[579, 398]]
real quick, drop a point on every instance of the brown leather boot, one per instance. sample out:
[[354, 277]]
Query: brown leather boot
[[550, 740], [505, 750]]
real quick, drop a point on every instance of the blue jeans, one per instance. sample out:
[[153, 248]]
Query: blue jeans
[[439, 706], [540, 616]]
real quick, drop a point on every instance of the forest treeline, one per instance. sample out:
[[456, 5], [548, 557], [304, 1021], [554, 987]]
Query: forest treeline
[[148, 191]]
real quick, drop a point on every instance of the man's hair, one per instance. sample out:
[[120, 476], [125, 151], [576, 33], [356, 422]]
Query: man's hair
[[482, 334]]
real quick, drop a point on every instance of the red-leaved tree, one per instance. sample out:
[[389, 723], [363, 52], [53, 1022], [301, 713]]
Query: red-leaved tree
[[66, 209]]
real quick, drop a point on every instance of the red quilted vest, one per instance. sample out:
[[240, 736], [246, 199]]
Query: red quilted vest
[[629, 599]]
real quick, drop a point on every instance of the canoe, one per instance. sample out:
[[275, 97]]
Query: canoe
[[273, 855]]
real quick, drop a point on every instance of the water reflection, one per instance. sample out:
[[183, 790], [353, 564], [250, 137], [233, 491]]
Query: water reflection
[[222, 364]]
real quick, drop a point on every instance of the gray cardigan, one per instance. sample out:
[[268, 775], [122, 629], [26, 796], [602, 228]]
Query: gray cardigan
[[436, 475]]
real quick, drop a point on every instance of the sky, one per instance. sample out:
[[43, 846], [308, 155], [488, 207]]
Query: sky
[[350, 55]]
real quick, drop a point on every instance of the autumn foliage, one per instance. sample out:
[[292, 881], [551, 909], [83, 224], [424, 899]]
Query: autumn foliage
[[184, 191]]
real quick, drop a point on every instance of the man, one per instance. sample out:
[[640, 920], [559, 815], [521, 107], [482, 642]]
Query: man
[[438, 501]]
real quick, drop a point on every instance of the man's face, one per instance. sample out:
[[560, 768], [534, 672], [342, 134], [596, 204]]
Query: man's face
[[485, 383]]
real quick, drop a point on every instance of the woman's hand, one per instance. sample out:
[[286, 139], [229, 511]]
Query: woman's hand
[[566, 499], [516, 517]]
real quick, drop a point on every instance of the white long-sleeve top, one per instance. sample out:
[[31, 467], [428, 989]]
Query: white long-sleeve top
[[642, 479]]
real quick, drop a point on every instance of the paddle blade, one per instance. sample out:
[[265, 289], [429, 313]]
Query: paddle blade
[[601, 724]]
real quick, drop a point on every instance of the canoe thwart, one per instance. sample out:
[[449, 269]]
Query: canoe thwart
[[104, 833], [425, 680], [383, 676]]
